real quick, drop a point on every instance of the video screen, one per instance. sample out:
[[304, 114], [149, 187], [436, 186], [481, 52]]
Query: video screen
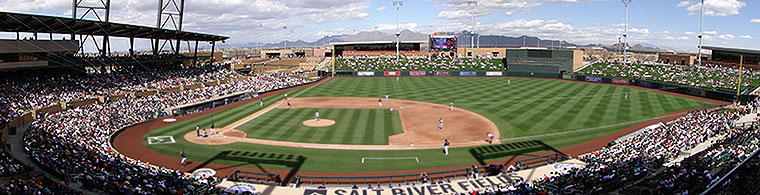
[[444, 44]]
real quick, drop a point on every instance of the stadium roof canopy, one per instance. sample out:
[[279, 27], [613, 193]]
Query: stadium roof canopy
[[737, 50], [374, 42], [19, 22]]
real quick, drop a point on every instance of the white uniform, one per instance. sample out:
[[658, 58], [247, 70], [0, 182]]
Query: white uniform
[[261, 103], [440, 124], [626, 95], [451, 106], [509, 82], [386, 98], [317, 116]]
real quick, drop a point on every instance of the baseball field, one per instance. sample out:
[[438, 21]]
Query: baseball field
[[527, 116]]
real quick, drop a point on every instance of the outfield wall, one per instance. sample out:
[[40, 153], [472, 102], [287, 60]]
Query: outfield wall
[[447, 73], [718, 95]]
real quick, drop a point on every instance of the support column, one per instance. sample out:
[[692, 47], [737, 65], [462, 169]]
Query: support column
[[195, 54], [213, 44]]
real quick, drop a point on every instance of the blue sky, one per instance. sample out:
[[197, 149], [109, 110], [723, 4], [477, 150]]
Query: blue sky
[[665, 23]]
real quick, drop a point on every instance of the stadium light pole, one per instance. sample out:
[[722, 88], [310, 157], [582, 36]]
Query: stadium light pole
[[472, 4], [701, 18], [398, 5], [625, 32]]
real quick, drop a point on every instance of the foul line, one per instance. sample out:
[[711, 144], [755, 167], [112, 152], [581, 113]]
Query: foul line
[[261, 112], [390, 158]]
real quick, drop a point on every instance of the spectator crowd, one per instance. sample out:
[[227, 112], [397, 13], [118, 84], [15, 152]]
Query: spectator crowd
[[419, 63], [18, 95], [73, 143], [708, 76]]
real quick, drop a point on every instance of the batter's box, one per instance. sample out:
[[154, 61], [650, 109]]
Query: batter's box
[[167, 139]]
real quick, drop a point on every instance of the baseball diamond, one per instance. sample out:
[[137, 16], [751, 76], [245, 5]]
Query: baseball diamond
[[539, 110]]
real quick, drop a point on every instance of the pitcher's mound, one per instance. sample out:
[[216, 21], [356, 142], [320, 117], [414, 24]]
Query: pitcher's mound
[[320, 123]]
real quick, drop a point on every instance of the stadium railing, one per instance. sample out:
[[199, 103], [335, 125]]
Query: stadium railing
[[541, 160], [717, 186], [386, 179], [255, 177]]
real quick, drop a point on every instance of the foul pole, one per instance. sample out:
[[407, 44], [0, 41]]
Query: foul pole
[[741, 72]]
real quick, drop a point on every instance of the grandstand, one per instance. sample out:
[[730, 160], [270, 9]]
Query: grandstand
[[517, 120], [380, 48]]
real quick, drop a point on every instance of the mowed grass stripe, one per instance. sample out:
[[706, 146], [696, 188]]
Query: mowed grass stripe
[[544, 105]]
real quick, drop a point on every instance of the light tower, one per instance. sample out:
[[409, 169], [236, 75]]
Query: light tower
[[625, 32], [701, 17], [398, 5], [472, 4]]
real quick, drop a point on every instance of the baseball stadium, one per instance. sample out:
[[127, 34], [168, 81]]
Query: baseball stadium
[[184, 112]]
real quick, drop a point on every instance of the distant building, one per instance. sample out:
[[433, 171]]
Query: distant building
[[678, 58], [539, 62], [380, 48], [730, 57]]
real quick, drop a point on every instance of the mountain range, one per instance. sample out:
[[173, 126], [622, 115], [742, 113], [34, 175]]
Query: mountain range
[[463, 37]]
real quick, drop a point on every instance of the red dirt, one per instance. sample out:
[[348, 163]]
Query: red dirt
[[129, 142]]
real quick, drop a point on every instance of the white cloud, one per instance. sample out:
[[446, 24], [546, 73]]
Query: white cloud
[[727, 37], [460, 9], [619, 25], [756, 20], [716, 7], [570, 1], [745, 37], [683, 38], [710, 32], [689, 33], [381, 8], [684, 3]]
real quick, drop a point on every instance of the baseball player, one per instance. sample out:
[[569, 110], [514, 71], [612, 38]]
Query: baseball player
[[380, 102], [626, 95], [440, 124], [391, 111], [288, 104], [396, 78], [261, 103], [451, 106], [386, 98], [203, 133], [490, 138], [509, 82], [316, 115], [184, 157], [197, 130], [212, 131], [446, 147]]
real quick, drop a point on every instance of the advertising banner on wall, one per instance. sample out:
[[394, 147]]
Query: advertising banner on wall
[[645, 84], [392, 73], [594, 79], [417, 73], [620, 81], [493, 73], [468, 73], [696, 92], [439, 73], [366, 74]]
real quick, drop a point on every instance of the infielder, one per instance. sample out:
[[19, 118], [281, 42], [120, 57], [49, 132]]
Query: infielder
[[380, 102], [440, 124], [288, 104], [316, 115], [212, 131], [446, 147], [386, 98], [490, 138], [451, 106], [184, 158], [391, 111]]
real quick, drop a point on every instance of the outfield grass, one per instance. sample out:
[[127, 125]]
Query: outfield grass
[[352, 126], [527, 107]]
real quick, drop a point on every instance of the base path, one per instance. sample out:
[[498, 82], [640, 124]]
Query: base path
[[420, 121], [130, 141]]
